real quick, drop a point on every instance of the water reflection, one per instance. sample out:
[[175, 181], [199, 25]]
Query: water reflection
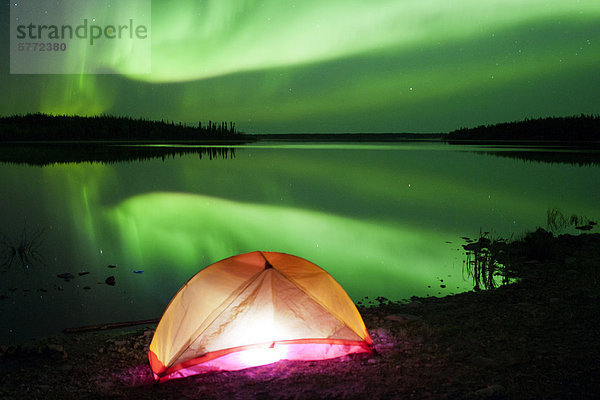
[[558, 222], [192, 230], [383, 221], [580, 157], [21, 250], [48, 154]]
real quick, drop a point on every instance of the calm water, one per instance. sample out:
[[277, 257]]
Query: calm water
[[384, 220]]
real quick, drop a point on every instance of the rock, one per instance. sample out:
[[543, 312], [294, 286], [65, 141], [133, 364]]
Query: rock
[[414, 304], [66, 276], [65, 367], [380, 333], [110, 281], [490, 391], [402, 317], [572, 272], [56, 351], [54, 347], [484, 362]]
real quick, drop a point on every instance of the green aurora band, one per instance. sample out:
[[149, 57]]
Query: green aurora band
[[215, 229], [344, 66], [377, 229]]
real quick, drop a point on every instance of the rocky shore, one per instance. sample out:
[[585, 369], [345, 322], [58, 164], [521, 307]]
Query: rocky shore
[[538, 337]]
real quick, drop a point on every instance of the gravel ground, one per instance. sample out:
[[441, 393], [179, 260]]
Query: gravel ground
[[536, 338]]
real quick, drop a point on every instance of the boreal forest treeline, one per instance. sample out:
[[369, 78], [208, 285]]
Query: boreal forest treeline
[[584, 128], [42, 127]]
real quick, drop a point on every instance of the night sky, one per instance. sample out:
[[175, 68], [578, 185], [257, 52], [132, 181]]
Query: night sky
[[279, 66]]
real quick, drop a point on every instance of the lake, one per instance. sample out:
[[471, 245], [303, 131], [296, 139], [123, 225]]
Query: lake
[[383, 219]]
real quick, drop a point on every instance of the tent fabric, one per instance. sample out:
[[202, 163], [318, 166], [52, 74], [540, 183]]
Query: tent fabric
[[254, 309]]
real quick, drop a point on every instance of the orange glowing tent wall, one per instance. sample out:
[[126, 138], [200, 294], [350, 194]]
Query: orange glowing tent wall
[[254, 309]]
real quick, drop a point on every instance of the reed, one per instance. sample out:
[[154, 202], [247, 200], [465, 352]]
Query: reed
[[487, 262]]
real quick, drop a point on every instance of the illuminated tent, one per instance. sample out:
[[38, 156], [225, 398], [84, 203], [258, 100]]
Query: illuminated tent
[[254, 309]]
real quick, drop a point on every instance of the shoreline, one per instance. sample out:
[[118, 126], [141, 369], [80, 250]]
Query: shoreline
[[536, 338]]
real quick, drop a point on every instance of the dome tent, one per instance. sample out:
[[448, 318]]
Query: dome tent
[[254, 309]]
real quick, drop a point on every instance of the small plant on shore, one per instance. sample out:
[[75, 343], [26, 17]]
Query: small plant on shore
[[486, 262]]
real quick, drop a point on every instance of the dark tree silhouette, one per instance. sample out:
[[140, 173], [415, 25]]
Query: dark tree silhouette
[[584, 128], [42, 127]]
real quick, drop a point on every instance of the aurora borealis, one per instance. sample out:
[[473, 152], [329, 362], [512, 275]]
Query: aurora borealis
[[278, 66]]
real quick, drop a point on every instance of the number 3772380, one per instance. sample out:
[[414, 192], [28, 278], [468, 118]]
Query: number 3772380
[[40, 46]]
